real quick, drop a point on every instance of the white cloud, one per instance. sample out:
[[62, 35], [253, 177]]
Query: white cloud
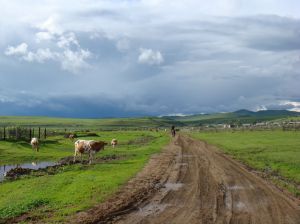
[[51, 25], [41, 55], [150, 57], [291, 105], [71, 60], [260, 108], [66, 40], [75, 60], [18, 50], [41, 36], [175, 115], [70, 54]]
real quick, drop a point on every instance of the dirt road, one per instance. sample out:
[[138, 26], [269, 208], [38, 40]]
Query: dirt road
[[192, 182]]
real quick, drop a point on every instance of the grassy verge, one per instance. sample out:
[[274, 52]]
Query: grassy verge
[[52, 198], [277, 153]]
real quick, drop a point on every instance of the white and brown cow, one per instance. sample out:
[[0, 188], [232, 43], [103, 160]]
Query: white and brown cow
[[35, 144], [88, 146], [114, 142]]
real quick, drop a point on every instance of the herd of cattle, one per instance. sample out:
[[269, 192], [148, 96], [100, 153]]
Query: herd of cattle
[[81, 146]]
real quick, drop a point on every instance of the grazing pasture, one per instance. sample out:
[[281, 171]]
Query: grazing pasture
[[276, 153], [53, 195]]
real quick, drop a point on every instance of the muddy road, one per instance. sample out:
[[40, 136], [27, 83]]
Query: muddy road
[[192, 182]]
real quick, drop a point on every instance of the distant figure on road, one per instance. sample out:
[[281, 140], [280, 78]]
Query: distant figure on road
[[173, 132]]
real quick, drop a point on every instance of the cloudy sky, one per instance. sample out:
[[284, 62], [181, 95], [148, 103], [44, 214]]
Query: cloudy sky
[[111, 58]]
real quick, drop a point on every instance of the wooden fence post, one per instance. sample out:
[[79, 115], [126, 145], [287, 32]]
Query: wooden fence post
[[39, 132], [45, 133], [30, 134], [4, 133]]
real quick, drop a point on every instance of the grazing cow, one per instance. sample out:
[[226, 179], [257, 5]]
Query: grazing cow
[[72, 137], [35, 144], [88, 146], [114, 142]]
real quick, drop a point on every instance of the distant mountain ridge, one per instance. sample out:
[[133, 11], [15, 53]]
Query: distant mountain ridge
[[239, 116]]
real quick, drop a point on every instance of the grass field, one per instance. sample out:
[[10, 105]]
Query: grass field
[[79, 123], [277, 152], [52, 198]]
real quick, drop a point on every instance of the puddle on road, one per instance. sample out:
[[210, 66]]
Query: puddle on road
[[188, 155], [238, 187], [240, 206], [173, 186], [152, 208], [33, 165], [182, 164]]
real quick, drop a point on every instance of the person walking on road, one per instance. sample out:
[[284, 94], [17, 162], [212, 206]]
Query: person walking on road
[[173, 132]]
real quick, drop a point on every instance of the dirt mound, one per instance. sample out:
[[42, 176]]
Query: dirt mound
[[69, 160], [192, 182], [17, 172]]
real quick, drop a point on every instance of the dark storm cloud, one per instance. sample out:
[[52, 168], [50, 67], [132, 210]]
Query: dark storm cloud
[[93, 106], [148, 57]]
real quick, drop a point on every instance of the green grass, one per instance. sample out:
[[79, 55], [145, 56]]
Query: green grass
[[52, 198], [277, 151], [79, 123]]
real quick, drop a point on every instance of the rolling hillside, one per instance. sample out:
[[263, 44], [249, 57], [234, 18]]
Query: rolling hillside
[[240, 116]]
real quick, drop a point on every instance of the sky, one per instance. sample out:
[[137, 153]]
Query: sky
[[124, 58]]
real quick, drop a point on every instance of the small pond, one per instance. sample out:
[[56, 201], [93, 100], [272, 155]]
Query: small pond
[[32, 165]]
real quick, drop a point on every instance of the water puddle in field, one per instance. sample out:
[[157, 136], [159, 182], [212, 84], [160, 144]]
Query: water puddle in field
[[33, 166]]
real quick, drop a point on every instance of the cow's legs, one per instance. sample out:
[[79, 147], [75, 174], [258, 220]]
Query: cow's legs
[[90, 157], [75, 154]]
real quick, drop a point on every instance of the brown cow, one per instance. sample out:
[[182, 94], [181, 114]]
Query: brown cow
[[88, 146]]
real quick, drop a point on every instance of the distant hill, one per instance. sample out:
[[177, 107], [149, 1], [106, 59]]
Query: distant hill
[[240, 116], [237, 117]]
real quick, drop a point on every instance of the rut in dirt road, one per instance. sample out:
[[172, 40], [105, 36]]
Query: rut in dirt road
[[205, 186]]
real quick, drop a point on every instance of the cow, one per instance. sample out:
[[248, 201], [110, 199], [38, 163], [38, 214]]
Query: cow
[[35, 144], [114, 142], [72, 137], [88, 146]]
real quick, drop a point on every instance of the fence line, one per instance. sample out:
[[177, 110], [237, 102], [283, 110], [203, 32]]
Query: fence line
[[22, 133]]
